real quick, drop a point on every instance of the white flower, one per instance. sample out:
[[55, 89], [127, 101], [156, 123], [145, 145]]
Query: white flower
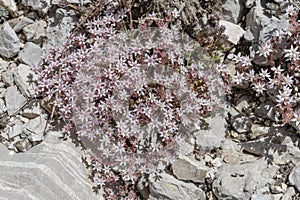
[[265, 74], [238, 78], [259, 87], [291, 10], [296, 118], [292, 53], [265, 50]]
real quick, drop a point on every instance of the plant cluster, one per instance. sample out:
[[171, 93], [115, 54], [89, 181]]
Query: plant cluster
[[131, 95], [280, 78]]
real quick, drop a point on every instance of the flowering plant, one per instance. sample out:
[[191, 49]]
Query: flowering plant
[[131, 95], [280, 78]]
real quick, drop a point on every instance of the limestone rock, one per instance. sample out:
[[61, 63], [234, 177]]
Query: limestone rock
[[50, 170], [22, 23], [241, 181], [35, 128], [294, 177], [168, 187], [32, 109], [39, 5], [35, 32], [57, 34], [187, 170], [233, 31], [231, 10], [214, 134], [3, 108], [10, 5], [14, 100], [25, 79], [31, 54], [9, 41]]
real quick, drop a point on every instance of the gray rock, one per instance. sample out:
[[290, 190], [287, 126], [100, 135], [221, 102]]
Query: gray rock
[[294, 177], [32, 109], [10, 5], [59, 27], [39, 5], [249, 3], [262, 26], [214, 135], [170, 188], [288, 194], [7, 78], [31, 54], [2, 92], [82, 2], [14, 128], [241, 123], [35, 128], [25, 79], [241, 181], [262, 196], [258, 130], [3, 108], [23, 144], [22, 23], [188, 170], [3, 65], [233, 31], [231, 10], [50, 170], [9, 41], [14, 100], [35, 32], [266, 111]]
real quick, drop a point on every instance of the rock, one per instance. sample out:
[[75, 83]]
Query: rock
[[14, 100], [188, 170], [170, 188], [7, 78], [39, 5], [3, 65], [10, 5], [32, 109], [266, 111], [249, 3], [35, 128], [22, 23], [3, 108], [288, 194], [23, 145], [232, 153], [60, 27], [241, 123], [261, 197], [9, 41], [233, 31], [14, 128], [35, 32], [50, 170], [241, 181], [258, 130], [294, 177], [82, 2], [214, 135], [262, 26], [232, 10], [25, 79], [31, 54]]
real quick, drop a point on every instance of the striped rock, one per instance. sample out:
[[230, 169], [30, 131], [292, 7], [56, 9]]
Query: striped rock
[[50, 170]]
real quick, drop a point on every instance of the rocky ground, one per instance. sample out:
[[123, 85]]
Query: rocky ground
[[243, 155]]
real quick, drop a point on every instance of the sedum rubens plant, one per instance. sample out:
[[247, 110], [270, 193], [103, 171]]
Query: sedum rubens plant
[[282, 73], [131, 95]]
